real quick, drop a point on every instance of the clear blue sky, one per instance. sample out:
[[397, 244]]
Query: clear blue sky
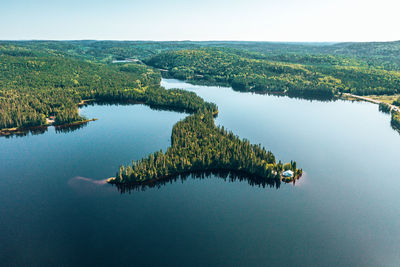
[[258, 20]]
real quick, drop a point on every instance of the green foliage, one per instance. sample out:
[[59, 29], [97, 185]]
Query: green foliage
[[397, 102], [297, 68], [99, 51], [260, 75], [377, 54], [395, 122], [35, 87], [38, 82], [364, 81], [243, 73], [198, 145], [374, 54], [385, 108]]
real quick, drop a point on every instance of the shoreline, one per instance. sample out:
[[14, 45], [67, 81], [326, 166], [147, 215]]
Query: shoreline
[[112, 180], [24, 130], [50, 122], [73, 123], [84, 102], [351, 97]]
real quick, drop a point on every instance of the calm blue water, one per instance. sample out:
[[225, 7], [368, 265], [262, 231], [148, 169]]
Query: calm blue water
[[345, 211]]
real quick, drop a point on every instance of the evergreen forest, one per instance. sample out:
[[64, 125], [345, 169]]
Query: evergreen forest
[[44, 83]]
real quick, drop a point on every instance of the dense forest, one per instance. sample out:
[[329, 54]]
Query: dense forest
[[396, 120], [297, 68], [324, 77], [42, 79], [34, 87], [198, 145], [396, 102], [385, 108], [39, 79], [383, 55]]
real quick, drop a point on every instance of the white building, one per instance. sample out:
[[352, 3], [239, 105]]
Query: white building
[[287, 173]]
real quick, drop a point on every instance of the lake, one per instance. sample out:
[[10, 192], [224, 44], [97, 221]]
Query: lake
[[55, 211]]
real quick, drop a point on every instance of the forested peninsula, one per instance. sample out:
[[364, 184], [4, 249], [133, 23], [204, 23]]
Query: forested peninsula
[[36, 86], [44, 82], [198, 145]]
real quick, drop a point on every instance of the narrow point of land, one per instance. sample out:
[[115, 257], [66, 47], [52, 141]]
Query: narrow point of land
[[22, 130], [348, 96], [75, 123], [384, 106], [84, 102], [198, 145]]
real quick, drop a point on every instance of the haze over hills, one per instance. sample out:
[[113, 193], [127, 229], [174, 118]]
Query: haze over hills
[[383, 54]]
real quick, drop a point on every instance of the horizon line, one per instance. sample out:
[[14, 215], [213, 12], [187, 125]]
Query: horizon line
[[149, 40]]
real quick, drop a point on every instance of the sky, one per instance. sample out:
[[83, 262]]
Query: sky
[[247, 20]]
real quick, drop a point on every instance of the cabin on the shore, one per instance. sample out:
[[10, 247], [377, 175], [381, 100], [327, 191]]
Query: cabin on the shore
[[287, 173], [50, 120]]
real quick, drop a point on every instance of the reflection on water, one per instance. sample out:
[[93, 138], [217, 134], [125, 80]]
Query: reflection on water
[[26, 132], [311, 97], [44, 129], [70, 128], [394, 126], [344, 212], [134, 102], [205, 83], [228, 176]]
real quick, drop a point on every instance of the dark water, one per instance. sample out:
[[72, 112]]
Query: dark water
[[344, 212]]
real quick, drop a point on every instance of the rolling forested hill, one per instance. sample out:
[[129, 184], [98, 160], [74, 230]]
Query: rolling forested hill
[[39, 82], [35, 85], [309, 75], [377, 54], [48, 78], [39, 79]]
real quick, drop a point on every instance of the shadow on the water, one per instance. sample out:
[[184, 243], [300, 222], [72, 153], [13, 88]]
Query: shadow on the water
[[312, 97], [42, 129], [70, 128], [296, 95], [25, 132], [228, 176], [395, 126], [132, 102], [67, 128]]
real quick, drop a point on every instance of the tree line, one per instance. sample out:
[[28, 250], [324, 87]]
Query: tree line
[[243, 72], [35, 84], [33, 88], [395, 121], [198, 145]]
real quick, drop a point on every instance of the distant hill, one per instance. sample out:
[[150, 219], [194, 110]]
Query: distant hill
[[378, 54]]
